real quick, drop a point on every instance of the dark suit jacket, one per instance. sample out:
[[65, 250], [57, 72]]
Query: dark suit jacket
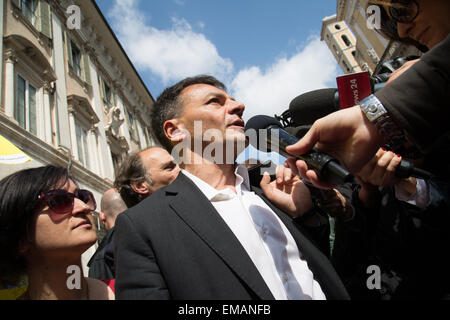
[[418, 101], [175, 245], [100, 265]]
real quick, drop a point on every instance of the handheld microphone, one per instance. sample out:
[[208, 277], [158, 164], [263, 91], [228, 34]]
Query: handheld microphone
[[311, 106], [308, 107], [406, 169], [276, 139]]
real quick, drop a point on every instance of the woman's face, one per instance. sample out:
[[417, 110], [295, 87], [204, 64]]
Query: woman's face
[[432, 24], [63, 235]]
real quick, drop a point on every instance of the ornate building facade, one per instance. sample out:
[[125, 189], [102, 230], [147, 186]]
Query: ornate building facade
[[69, 92], [369, 49]]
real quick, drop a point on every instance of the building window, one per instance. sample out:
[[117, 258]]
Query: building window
[[76, 59], [346, 40], [345, 66], [338, 27], [28, 9], [82, 145], [37, 13], [25, 110], [83, 120], [106, 93], [132, 128], [336, 51]]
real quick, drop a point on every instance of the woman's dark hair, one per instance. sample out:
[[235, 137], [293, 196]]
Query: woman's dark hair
[[18, 203], [168, 105]]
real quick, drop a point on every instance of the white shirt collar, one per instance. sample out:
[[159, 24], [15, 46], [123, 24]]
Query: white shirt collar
[[212, 194]]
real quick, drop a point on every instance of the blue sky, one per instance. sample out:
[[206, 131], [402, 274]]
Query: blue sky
[[267, 52]]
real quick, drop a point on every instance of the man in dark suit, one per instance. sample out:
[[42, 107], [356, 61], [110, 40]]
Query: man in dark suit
[[210, 234]]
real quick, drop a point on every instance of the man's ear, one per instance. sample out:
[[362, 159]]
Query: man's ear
[[173, 131], [140, 187], [102, 216]]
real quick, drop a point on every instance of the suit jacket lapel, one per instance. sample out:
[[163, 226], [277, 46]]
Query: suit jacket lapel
[[196, 210]]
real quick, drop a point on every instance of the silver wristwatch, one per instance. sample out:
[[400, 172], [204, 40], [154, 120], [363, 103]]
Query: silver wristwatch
[[378, 115]]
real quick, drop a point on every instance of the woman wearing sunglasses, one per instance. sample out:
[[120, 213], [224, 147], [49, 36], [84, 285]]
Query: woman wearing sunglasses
[[45, 226], [420, 23], [423, 23]]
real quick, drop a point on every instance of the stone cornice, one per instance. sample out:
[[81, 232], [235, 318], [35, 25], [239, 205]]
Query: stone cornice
[[82, 106], [47, 154]]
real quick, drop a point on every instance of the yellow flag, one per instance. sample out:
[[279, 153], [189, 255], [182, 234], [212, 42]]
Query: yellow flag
[[10, 154]]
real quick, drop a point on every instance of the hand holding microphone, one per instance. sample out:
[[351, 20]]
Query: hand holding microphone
[[270, 134], [346, 135]]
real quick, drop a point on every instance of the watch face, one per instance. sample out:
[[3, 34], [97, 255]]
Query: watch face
[[372, 109]]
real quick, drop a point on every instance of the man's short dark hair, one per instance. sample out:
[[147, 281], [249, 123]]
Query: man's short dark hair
[[132, 169], [168, 105]]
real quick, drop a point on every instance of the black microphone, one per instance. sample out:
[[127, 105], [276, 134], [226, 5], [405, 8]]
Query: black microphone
[[311, 106], [276, 139], [406, 169]]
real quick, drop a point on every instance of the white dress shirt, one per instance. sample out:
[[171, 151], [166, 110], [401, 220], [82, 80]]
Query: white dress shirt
[[421, 198], [264, 237]]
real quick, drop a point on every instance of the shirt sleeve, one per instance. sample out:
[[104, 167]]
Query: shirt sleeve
[[420, 199]]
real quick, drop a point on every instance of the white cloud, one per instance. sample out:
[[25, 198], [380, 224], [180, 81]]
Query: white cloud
[[270, 91], [170, 54], [180, 52]]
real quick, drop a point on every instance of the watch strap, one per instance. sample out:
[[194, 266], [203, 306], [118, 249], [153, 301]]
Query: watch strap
[[377, 114]]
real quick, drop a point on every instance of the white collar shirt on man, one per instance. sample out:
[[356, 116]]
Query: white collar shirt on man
[[264, 237]]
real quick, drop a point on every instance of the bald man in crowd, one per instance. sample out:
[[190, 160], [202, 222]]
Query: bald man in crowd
[[101, 263], [111, 205]]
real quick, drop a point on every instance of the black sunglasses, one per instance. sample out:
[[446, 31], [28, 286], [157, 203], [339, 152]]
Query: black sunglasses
[[404, 11], [61, 201]]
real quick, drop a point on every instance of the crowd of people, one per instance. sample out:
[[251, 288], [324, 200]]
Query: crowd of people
[[209, 228]]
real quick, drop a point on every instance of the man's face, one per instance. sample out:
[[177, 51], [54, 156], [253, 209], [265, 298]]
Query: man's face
[[219, 114], [161, 167]]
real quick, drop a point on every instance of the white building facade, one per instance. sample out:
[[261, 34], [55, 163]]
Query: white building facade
[[69, 91]]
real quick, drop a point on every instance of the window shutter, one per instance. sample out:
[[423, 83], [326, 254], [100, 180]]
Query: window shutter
[[17, 3], [69, 49], [86, 74], [45, 18], [102, 87]]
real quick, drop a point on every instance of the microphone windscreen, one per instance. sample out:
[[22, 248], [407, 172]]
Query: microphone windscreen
[[261, 122], [256, 123], [298, 132], [313, 105]]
